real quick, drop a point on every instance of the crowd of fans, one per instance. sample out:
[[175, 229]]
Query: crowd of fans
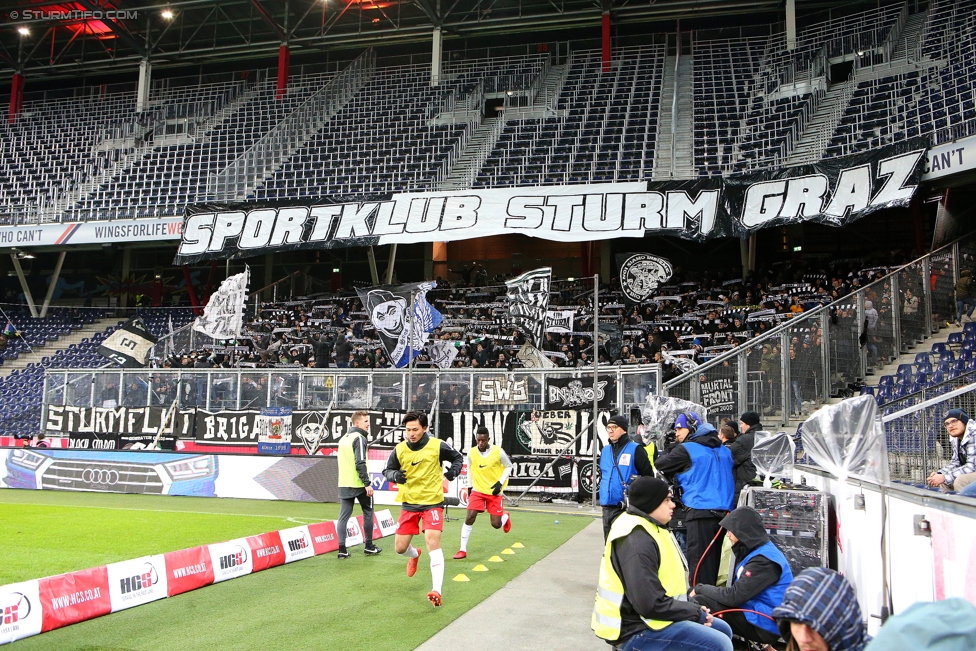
[[694, 317]]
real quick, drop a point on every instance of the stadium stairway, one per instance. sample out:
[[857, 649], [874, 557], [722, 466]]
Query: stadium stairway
[[810, 146], [874, 374], [476, 152], [76, 336], [682, 118]]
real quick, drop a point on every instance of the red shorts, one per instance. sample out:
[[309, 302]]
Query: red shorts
[[480, 502], [409, 524]]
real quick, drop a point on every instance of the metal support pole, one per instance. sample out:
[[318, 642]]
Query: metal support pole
[[389, 268], [409, 352], [785, 387], [862, 351], [23, 285], [53, 284], [927, 293], [743, 380], [825, 355], [371, 256], [596, 384], [896, 316]]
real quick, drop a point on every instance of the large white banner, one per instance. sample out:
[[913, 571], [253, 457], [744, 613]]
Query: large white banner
[[833, 191], [224, 314]]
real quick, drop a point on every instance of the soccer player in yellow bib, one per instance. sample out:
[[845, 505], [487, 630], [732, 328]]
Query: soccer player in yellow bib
[[488, 471], [415, 467]]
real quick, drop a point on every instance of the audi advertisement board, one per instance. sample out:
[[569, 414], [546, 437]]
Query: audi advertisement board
[[123, 472]]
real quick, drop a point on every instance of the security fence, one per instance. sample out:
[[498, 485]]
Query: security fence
[[619, 389], [917, 441], [824, 352]]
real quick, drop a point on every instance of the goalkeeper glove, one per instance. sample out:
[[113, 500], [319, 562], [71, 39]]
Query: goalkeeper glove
[[496, 488]]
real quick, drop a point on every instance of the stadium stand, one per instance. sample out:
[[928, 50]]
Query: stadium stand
[[756, 104]]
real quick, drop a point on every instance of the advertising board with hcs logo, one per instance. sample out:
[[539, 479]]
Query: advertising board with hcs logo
[[137, 582], [324, 538], [20, 611], [188, 569], [74, 597], [296, 543], [354, 531], [266, 551], [230, 559]]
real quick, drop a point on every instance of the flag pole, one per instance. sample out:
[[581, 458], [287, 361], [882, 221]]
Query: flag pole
[[410, 353], [596, 382]]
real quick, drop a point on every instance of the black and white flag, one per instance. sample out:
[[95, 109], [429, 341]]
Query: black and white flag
[[442, 353], [560, 321], [129, 345], [641, 274], [532, 357], [223, 316], [528, 302], [389, 309]]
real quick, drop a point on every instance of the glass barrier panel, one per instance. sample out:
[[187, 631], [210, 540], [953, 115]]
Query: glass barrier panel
[[284, 389], [319, 391], [79, 389], [107, 390], [805, 366], [135, 389], [913, 329], [254, 390], [223, 391], [352, 392], [388, 391], [55, 389], [163, 389], [455, 392]]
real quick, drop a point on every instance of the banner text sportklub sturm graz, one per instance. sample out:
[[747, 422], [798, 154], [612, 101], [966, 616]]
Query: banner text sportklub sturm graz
[[834, 191]]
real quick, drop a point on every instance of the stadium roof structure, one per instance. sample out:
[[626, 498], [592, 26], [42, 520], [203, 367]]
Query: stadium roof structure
[[59, 40]]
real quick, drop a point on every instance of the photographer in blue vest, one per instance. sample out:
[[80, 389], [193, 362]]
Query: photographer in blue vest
[[620, 461], [702, 467], [759, 579]]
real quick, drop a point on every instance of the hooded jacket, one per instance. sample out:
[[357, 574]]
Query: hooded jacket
[[759, 581], [824, 600]]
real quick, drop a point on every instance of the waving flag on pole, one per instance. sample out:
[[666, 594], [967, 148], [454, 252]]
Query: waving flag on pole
[[528, 300], [129, 345], [223, 316], [388, 308]]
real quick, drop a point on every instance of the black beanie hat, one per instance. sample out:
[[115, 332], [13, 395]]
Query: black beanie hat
[[750, 418], [647, 493], [957, 413], [619, 421]]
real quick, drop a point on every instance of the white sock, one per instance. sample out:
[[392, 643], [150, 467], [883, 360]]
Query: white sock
[[412, 552], [465, 534], [505, 518], [437, 568]]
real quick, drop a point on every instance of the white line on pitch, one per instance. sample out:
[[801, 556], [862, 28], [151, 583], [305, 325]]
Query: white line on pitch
[[120, 508]]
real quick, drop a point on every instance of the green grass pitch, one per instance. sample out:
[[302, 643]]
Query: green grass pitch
[[318, 603]]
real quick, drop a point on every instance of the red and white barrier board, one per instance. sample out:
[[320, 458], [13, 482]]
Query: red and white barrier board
[[41, 605]]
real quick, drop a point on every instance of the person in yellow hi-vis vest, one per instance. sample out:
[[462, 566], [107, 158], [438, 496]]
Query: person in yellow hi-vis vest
[[415, 467], [488, 471], [641, 599], [355, 484]]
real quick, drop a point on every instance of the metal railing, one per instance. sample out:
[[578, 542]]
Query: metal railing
[[916, 439], [798, 365], [452, 390], [267, 154]]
